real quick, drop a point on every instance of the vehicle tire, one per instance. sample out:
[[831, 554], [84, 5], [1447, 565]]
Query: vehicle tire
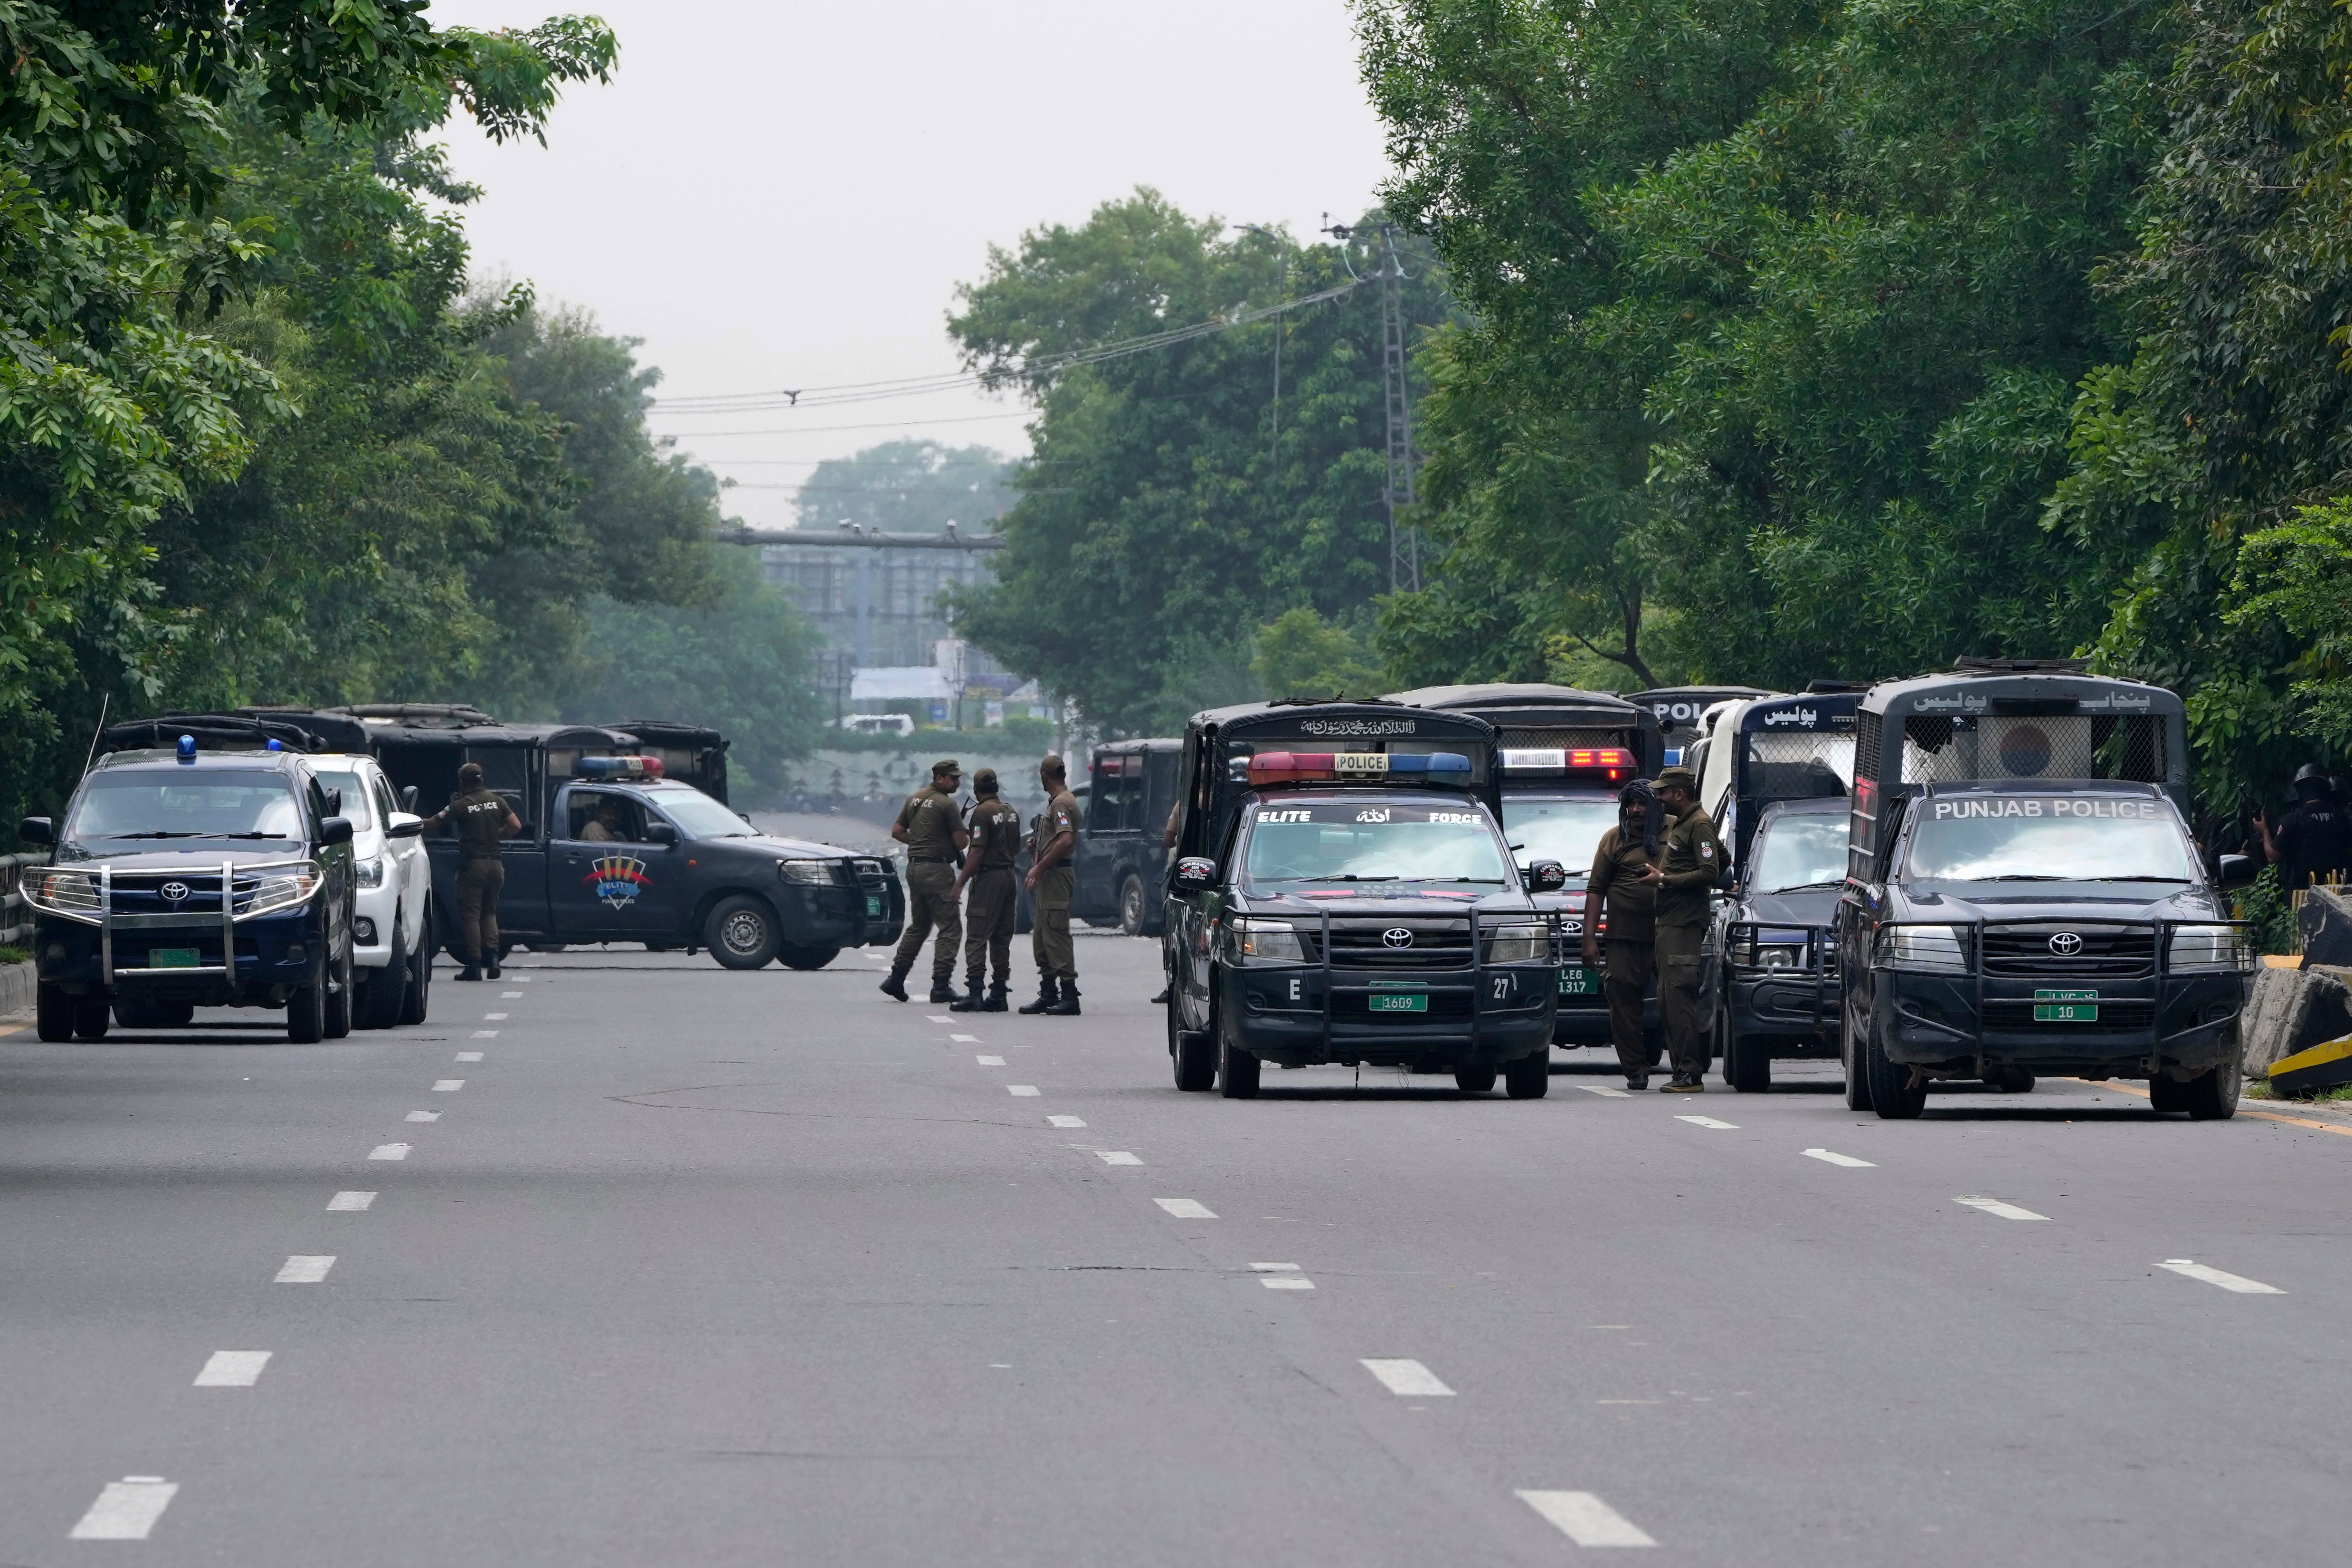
[[343, 997], [1891, 1094], [2213, 1094], [1529, 1078], [1236, 1070], [2013, 1080], [742, 933], [386, 992], [416, 997], [1192, 1053], [306, 1013], [1474, 1081], [1746, 1062], [1130, 905], [2166, 1096], [1858, 1082], [53, 1014], [793, 957], [90, 1016]]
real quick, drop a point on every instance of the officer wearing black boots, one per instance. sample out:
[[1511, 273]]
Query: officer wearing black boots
[[1688, 869], [931, 825], [1052, 841], [484, 821], [991, 895]]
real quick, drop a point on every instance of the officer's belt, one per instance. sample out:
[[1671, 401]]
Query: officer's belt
[[931, 859]]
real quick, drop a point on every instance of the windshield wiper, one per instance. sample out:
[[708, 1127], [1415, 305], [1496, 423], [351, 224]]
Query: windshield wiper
[[1340, 877], [1806, 887], [158, 833], [2016, 876], [245, 835], [2182, 880]]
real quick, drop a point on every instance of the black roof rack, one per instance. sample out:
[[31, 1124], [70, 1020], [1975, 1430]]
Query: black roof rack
[[1971, 664]]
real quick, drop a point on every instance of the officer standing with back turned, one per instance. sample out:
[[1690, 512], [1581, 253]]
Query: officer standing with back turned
[[930, 825], [1689, 866], [484, 821], [1052, 843], [994, 900]]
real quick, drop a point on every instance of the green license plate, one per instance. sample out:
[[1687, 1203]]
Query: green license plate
[[2065, 1006], [873, 905], [1400, 1003], [173, 958], [1575, 980]]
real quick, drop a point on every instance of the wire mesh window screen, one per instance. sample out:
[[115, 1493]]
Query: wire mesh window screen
[[2038, 746], [1560, 739], [1795, 766], [1865, 744]]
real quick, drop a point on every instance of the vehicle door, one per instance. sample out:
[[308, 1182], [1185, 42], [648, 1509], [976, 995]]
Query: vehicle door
[[1095, 856], [608, 881], [511, 772], [408, 865]]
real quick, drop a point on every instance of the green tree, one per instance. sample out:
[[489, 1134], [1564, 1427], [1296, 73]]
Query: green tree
[[1300, 654], [909, 486]]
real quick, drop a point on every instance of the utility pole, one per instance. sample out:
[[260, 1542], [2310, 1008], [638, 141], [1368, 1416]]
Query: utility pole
[[1282, 294], [1404, 544]]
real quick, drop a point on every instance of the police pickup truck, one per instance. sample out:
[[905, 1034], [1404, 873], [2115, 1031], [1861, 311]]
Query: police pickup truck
[[2023, 893], [1343, 893], [220, 879]]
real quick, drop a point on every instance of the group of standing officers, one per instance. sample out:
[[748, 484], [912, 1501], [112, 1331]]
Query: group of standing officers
[[961, 880], [1652, 874]]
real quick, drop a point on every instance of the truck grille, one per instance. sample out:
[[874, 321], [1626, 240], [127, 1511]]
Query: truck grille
[[1363, 942], [2106, 953], [142, 893]]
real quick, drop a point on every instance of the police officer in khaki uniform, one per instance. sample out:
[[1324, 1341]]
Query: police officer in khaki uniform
[[1689, 867], [995, 899], [1052, 842], [483, 821], [1615, 887], [931, 825]]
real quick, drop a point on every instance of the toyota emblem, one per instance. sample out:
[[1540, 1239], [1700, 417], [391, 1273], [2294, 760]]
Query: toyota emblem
[[2065, 944], [173, 892], [1396, 936]]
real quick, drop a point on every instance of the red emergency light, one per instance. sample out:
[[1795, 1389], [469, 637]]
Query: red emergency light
[[1332, 767], [1611, 762]]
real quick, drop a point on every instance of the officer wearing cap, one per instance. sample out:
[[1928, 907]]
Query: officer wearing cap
[[931, 827], [1052, 841], [994, 899], [2313, 842], [484, 821], [1689, 867]]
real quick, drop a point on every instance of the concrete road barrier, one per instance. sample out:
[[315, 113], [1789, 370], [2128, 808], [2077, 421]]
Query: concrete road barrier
[[2293, 1010]]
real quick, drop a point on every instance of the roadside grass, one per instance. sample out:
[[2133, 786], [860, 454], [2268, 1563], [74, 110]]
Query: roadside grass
[[15, 955], [2340, 1094]]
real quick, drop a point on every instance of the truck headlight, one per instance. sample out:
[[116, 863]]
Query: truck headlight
[[61, 892], [281, 887], [813, 873], [1935, 948], [372, 872], [2210, 948], [1765, 947], [1529, 943], [1250, 939]]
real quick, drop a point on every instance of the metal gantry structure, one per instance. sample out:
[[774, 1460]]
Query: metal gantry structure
[[1404, 544]]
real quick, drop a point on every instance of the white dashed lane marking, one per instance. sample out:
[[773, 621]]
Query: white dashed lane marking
[[492, 1017], [1586, 1519], [389, 1151], [507, 996], [1117, 1157], [1020, 1088], [990, 1061], [937, 1018], [1282, 1276], [1409, 1378], [1710, 1122], [965, 1039], [1064, 1121], [1604, 1091], [1185, 1208], [127, 1510], [233, 1369], [305, 1269], [447, 1085], [2238, 1282], [424, 1116], [469, 1056], [1995, 1206], [485, 1034], [350, 1202], [1825, 1157]]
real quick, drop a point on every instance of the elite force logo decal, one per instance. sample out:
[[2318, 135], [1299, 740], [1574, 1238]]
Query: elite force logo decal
[[619, 878]]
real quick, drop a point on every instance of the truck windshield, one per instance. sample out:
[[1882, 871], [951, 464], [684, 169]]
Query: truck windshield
[[699, 816], [1369, 840], [1566, 828], [182, 805], [2036, 839], [1799, 849]]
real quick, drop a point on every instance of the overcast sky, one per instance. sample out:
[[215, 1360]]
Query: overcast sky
[[777, 194]]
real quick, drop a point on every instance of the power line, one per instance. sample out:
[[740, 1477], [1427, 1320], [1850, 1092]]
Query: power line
[[819, 429]]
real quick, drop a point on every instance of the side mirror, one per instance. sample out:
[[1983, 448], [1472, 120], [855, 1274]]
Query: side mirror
[[408, 799], [1547, 877], [38, 830], [2237, 870], [661, 833], [1195, 873], [335, 830], [404, 825]]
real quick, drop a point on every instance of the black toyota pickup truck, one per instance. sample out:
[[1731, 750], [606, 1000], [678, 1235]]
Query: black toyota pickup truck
[[181, 881]]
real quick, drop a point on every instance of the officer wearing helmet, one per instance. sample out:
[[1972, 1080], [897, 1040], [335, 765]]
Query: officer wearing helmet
[[2313, 842]]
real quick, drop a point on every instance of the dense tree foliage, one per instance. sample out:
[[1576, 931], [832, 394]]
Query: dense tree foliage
[[909, 486], [1165, 514]]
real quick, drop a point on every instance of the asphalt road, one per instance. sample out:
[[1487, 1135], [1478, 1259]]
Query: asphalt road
[[693, 1267]]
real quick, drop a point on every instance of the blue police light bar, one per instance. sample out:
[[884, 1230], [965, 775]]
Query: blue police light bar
[[1331, 767], [617, 768]]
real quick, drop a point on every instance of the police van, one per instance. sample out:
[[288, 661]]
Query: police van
[[1119, 865], [1343, 893], [1679, 709], [1563, 754], [1775, 782], [2023, 895]]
